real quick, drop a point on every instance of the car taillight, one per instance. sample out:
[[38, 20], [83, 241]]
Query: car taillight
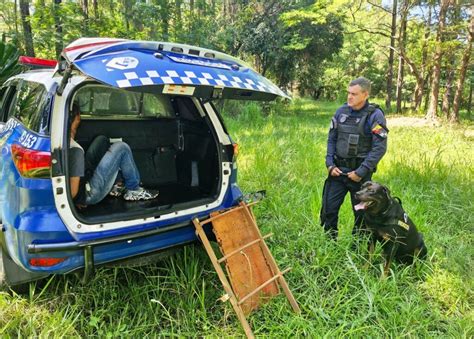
[[45, 262], [31, 163], [236, 149]]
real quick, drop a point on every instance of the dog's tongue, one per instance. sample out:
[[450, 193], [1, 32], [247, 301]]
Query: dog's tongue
[[360, 206]]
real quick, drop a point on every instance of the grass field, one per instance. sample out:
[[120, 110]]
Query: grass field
[[430, 168]]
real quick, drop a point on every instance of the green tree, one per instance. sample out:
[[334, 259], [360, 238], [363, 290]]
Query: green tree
[[8, 61], [316, 36], [365, 51]]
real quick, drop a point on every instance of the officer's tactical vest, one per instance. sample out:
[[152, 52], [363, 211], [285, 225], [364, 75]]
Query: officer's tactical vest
[[352, 142]]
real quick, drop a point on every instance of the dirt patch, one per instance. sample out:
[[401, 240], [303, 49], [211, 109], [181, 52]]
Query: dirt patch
[[469, 134], [398, 121], [411, 122]]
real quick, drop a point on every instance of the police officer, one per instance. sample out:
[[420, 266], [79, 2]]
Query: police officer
[[357, 141]]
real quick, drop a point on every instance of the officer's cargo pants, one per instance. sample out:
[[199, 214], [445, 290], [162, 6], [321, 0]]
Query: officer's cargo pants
[[334, 192]]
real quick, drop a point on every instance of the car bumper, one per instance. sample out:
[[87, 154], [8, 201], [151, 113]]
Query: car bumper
[[87, 255]]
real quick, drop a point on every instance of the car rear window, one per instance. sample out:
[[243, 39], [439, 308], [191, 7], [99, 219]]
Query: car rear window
[[97, 100], [30, 105], [3, 95]]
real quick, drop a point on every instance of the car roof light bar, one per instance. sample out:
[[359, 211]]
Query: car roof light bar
[[37, 62], [86, 47]]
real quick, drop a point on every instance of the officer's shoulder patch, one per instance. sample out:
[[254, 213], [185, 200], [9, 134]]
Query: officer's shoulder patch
[[333, 123], [380, 130]]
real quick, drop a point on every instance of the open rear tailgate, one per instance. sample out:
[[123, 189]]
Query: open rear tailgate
[[149, 66]]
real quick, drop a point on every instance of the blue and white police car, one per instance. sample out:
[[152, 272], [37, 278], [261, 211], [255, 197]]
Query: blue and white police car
[[159, 99]]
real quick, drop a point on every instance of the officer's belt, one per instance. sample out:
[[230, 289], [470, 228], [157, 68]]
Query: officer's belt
[[351, 163]]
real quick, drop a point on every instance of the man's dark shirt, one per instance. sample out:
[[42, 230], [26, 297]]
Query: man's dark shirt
[[379, 141], [77, 169], [76, 160]]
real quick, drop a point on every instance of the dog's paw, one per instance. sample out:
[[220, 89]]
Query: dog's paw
[[385, 272], [368, 264]]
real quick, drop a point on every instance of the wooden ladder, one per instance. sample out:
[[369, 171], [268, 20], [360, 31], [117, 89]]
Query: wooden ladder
[[253, 273]]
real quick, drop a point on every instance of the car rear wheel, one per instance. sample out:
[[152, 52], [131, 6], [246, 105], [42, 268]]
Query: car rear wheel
[[13, 276], [9, 269]]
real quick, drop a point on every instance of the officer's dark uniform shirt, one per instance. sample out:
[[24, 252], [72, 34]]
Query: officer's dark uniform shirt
[[375, 125]]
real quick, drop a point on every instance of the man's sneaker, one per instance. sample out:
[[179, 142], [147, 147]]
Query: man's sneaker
[[139, 194], [117, 190]]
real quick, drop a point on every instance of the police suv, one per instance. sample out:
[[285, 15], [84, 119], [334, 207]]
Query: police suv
[[158, 98]]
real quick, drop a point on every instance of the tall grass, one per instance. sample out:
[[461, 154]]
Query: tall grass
[[282, 150]]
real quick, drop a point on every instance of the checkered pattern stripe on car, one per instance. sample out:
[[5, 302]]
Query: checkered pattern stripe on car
[[172, 77]]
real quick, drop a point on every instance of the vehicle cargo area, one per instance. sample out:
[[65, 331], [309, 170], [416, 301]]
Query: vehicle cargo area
[[175, 151]]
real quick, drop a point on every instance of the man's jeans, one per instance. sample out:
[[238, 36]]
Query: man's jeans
[[118, 158]]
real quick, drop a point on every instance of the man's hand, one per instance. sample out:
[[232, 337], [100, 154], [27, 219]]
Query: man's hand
[[334, 171], [353, 176]]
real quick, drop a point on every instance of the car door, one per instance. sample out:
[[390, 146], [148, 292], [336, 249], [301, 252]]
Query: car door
[[6, 97]]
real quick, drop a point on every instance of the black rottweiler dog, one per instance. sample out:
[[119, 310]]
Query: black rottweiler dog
[[390, 225]]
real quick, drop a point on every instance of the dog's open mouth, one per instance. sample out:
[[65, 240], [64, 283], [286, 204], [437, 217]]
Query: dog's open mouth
[[363, 205]]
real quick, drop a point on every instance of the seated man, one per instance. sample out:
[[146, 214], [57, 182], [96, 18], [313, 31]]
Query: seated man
[[106, 163]]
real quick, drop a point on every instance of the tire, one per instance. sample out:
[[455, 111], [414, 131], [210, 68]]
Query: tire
[[15, 277], [7, 266]]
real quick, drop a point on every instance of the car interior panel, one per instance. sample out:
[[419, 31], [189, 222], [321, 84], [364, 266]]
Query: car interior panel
[[178, 158]]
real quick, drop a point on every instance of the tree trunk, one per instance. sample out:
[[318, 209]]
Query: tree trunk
[[401, 61], [428, 90], [96, 8], [111, 4], [232, 9], [418, 94], [85, 8], [191, 16], [178, 20], [27, 33], [85, 13], [126, 15], [58, 39], [165, 17], [469, 102], [454, 116], [431, 114], [420, 83], [15, 9], [388, 100], [447, 96]]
